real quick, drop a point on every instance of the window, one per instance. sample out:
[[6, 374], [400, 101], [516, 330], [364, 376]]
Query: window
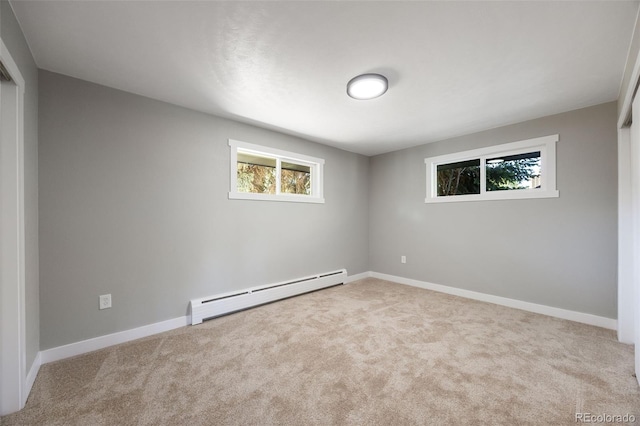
[[263, 173], [524, 169]]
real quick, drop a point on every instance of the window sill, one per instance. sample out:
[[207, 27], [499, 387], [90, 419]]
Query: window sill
[[290, 198], [497, 195]]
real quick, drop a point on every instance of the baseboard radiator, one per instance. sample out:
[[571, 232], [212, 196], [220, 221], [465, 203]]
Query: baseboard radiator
[[221, 304]]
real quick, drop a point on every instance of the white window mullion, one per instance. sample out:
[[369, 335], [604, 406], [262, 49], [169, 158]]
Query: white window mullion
[[483, 175], [278, 174]]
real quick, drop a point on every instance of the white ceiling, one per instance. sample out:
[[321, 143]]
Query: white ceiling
[[454, 67]]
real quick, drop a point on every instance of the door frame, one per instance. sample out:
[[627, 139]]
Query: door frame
[[629, 218], [13, 389]]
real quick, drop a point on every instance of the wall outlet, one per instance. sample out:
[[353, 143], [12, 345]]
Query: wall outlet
[[105, 301], [403, 259]]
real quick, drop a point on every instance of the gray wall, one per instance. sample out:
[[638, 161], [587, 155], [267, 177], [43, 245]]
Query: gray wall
[[134, 202], [559, 252], [14, 40]]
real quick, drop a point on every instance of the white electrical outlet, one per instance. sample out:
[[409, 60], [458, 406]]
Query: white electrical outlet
[[105, 301], [403, 259]]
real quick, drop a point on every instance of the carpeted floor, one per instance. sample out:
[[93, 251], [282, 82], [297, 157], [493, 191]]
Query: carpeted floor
[[367, 353]]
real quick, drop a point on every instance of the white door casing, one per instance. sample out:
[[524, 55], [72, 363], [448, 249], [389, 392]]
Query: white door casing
[[13, 392], [635, 212]]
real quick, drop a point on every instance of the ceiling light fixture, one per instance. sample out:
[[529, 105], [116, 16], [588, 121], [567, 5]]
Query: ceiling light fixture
[[367, 86]]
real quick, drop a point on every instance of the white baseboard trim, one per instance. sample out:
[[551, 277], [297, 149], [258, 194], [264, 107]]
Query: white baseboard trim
[[581, 317], [90, 345], [356, 277], [31, 376]]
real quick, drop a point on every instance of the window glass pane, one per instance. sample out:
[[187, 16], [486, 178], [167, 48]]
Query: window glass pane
[[256, 174], [521, 171], [459, 178], [295, 179]]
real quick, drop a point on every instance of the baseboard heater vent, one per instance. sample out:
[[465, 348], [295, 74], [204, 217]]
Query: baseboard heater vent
[[215, 306]]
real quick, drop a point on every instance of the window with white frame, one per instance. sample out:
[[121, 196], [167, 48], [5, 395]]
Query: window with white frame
[[263, 173], [524, 169]]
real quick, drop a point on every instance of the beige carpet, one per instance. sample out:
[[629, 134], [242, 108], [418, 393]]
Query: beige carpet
[[367, 353]]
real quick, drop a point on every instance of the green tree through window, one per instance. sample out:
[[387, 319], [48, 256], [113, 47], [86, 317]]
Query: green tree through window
[[519, 171], [513, 172], [459, 178]]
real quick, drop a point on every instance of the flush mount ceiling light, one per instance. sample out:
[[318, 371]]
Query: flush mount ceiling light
[[367, 86]]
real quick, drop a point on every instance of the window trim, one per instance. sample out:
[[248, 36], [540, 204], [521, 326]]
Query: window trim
[[316, 165], [547, 147]]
